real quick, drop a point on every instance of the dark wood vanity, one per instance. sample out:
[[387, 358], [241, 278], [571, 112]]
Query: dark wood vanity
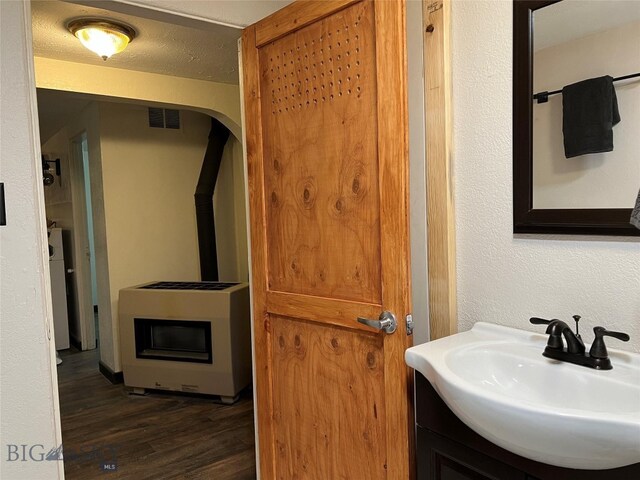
[[449, 450]]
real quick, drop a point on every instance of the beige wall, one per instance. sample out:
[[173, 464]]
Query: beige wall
[[141, 88], [143, 181], [230, 216], [601, 180], [149, 177], [220, 100]]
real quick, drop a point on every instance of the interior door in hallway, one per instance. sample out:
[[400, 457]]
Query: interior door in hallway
[[326, 128]]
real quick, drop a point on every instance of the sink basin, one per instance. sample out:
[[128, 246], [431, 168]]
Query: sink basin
[[497, 382]]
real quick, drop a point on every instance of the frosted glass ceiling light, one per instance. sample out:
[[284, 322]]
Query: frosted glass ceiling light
[[104, 37]]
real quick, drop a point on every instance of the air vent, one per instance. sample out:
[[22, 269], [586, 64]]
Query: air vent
[[164, 118], [171, 118], [156, 117]]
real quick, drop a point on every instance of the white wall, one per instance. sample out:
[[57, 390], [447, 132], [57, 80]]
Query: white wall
[[600, 180], [502, 278], [29, 410]]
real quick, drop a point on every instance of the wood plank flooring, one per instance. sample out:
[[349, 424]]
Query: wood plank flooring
[[156, 436]]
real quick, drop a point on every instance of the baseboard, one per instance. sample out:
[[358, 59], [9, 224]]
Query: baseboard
[[113, 377]]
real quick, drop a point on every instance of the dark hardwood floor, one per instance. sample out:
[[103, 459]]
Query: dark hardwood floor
[[156, 436]]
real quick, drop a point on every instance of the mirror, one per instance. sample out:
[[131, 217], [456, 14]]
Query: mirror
[[569, 178]]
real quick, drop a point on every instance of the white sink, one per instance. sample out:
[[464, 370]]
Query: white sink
[[496, 381]]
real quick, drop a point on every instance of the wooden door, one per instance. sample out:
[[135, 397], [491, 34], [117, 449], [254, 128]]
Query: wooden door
[[326, 131]]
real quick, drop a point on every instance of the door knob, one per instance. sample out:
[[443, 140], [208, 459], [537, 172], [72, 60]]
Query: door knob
[[386, 321]]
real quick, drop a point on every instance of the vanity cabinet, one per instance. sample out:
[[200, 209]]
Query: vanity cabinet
[[449, 450]]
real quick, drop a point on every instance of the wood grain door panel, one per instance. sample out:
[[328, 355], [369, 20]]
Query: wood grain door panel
[[326, 130], [321, 166], [330, 383]]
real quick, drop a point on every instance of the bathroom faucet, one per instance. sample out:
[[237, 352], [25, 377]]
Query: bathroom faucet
[[574, 342], [575, 352]]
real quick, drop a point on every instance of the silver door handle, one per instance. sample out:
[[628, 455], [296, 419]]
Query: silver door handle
[[386, 321]]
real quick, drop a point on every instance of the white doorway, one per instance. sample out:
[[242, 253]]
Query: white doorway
[[26, 323]]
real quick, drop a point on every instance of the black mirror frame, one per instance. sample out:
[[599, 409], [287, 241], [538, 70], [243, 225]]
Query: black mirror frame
[[526, 219]]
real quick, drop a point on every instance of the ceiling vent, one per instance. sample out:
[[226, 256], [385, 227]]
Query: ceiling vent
[[164, 118]]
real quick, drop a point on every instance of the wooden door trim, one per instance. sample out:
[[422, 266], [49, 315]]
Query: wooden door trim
[[296, 16], [441, 239]]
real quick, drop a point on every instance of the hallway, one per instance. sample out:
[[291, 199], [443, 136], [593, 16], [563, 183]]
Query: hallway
[[157, 436]]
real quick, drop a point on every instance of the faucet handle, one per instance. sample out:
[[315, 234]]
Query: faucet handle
[[539, 321], [555, 339], [598, 348]]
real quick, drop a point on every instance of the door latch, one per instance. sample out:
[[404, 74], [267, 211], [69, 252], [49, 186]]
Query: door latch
[[410, 324]]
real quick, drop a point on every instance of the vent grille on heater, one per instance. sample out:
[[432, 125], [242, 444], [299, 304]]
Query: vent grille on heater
[[189, 286], [164, 118]]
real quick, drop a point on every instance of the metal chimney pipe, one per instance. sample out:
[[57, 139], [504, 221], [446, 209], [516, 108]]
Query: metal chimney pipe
[[205, 219]]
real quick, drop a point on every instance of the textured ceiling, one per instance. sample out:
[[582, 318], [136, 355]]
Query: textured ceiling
[[206, 53]]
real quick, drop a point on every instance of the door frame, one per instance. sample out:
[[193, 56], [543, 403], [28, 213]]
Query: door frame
[[45, 314], [441, 238], [81, 244], [438, 220]]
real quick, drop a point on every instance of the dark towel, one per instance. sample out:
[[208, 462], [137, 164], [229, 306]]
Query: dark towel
[[635, 214], [589, 112]]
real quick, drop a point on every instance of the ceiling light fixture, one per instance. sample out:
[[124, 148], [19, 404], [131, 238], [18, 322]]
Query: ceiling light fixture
[[104, 37]]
